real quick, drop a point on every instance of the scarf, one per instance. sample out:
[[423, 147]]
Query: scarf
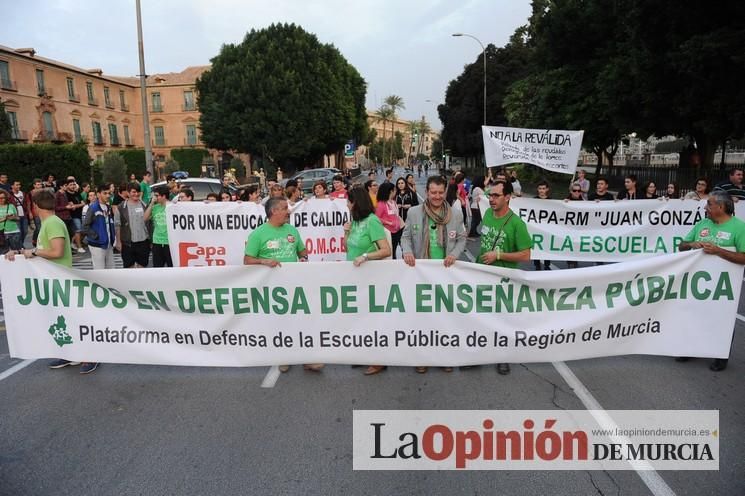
[[440, 218]]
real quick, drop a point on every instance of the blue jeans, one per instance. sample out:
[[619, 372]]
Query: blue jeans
[[37, 226]]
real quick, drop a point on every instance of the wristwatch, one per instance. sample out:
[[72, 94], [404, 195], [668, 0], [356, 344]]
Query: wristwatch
[[364, 255], [33, 252]]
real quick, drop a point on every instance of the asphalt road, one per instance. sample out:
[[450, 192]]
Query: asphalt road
[[151, 430]]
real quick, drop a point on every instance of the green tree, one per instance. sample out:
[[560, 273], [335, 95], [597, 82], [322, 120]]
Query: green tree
[[114, 168], [385, 114], [6, 131], [424, 130], [394, 104], [282, 95], [171, 166], [237, 164]]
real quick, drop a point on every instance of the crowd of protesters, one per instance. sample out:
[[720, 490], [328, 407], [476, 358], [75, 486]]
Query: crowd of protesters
[[65, 216]]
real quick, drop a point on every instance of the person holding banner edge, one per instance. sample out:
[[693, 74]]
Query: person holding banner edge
[[52, 244], [714, 234], [274, 242], [505, 240]]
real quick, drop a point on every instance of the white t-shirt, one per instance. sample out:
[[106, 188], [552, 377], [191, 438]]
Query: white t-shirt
[[19, 205], [476, 195]]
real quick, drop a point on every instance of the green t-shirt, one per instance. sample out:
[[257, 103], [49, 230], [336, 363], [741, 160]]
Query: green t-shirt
[[514, 236], [8, 226], [728, 234], [146, 191], [363, 235], [277, 243], [54, 227], [160, 228], [436, 251]]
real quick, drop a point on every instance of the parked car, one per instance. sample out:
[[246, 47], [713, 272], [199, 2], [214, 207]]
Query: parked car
[[310, 176], [201, 186]]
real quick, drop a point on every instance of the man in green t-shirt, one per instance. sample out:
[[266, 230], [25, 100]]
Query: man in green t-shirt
[[505, 240], [145, 189], [714, 234], [274, 242], [161, 248], [53, 244]]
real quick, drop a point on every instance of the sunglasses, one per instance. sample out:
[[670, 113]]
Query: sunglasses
[[576, 191]]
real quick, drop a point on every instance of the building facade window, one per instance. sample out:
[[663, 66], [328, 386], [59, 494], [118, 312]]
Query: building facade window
[[113, 135], [191, 134], [157, 107], [97, 135], [76, 130], [189, 103], [107, 97], [46, 118], [71, 90], [123, 101], [160, 136], [14, 131], [91, 96], [5, 74], [127, 141], [40, 86]]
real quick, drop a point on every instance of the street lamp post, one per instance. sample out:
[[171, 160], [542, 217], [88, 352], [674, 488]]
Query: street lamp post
[[483, 53]]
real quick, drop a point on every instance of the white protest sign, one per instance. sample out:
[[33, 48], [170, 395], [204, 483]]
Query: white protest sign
[[551, 149], [214, 234], [606, 231], [383, 312]]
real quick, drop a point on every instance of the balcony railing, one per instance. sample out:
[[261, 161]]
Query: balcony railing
[[125, 107], [128, 143], [157, 109], [189, 107], [8, 84], [81, 138], [19, 135], [93, 101], [45, 92], [191, 141], [160, 142], [109, 105], [46, 136], [74, 97], [98, 140], [115, 142]]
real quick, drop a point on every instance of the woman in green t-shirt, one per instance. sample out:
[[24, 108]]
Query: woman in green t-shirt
[[365, 238], [9, 224]]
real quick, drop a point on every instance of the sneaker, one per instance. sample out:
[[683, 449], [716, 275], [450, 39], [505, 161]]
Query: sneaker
[[718, 364], [88, 367], [58, 364], [503, 368], [81, 250]]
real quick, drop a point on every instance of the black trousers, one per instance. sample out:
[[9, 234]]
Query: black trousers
[[162, 256]]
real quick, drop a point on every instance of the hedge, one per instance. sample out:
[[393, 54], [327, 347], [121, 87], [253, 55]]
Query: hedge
[[190, 159], [135, 160], [26, 162]]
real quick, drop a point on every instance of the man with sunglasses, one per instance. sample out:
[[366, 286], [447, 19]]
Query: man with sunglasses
[[505, 241]]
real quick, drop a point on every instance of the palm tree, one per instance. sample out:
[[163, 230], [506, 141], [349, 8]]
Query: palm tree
[[413, 130], [385, 114], [394, 103], [424, 129]]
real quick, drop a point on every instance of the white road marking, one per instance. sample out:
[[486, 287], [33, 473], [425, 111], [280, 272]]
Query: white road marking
[[15, 368], [271, 377], [651, 478]]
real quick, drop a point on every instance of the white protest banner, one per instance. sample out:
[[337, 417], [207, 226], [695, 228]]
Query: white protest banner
[[606, 231], [382, 312], [215, 233], [550, 149]]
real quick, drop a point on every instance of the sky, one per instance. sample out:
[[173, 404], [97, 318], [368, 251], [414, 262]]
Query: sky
[[399, 47]]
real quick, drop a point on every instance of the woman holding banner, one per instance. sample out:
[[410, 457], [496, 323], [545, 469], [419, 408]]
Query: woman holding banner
[[365, 239]]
